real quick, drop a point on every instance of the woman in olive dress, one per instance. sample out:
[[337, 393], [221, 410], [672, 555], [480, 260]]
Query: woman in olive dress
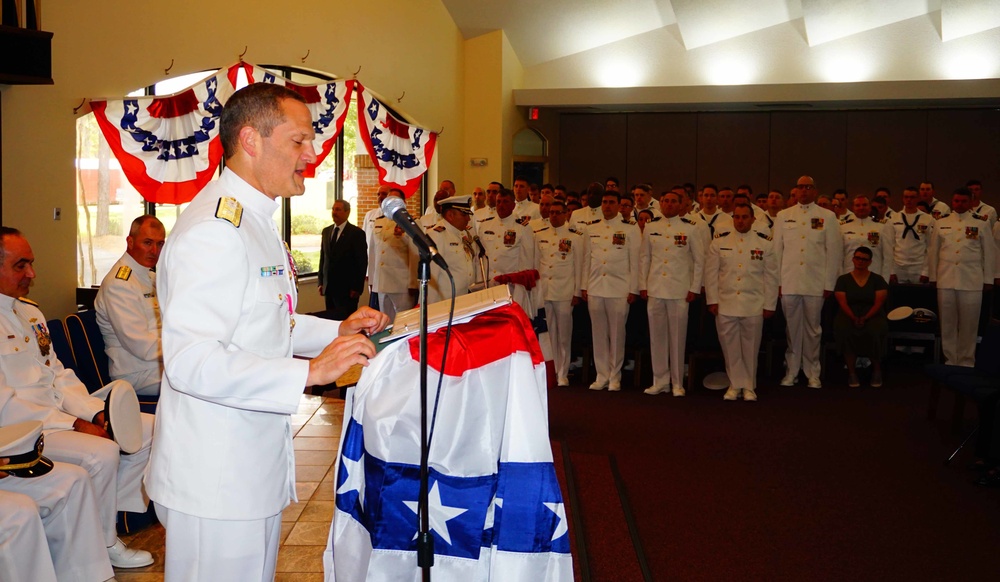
[[860, 327]]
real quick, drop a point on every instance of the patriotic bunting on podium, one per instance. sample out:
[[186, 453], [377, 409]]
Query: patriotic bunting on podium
[[496, 511], [401, 152]]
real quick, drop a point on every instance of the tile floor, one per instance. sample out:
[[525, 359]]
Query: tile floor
[[306, 524]]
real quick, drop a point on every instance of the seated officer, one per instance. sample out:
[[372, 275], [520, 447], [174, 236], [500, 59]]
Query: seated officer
[[72, 419], [128, 313], [50, 511]]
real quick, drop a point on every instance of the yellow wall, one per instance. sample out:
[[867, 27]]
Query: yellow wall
[[108, 48], [492, 72]]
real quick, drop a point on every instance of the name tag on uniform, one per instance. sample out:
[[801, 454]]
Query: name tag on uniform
[[509, 238], [756, 254], [618, 239], [565, 245], [972, 232], [680, 240], [873, 238], [817, 224], [272, 271]]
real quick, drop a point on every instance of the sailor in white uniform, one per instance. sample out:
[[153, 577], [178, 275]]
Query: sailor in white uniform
[[741, 289]]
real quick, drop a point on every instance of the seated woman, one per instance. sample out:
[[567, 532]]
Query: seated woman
[[860, 327]]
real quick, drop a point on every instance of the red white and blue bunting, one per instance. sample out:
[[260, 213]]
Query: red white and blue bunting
[[169, 146], [401, 152]]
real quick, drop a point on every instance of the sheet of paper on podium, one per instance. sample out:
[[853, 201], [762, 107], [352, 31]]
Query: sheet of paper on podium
[[407, 323]]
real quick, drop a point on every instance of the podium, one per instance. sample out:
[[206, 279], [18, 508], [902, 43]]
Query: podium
[[496, 510]]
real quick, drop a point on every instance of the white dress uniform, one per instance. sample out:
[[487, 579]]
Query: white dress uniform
[[610, 273], [510, 247], [584, 217], [960, 259], [527, 208], [984, 209], [912, 233], [878, 236], [559, 259], [392, 267], [538, 224], [847, 215], [741, 277], [717, 222], [671, 264], [44, 390], [457, 249], [429, 219], [481, 213], [938, 209], [51, 528], [222, 466], [368, 225], [807, 239], [129, 317]]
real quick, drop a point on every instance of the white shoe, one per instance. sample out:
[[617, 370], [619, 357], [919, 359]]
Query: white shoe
[[815, 383], [124, 557], [749, 395], [678, 391], [732, 394], [655, 390], [789, 380], [562, 382], [614, 387], [598, 386]]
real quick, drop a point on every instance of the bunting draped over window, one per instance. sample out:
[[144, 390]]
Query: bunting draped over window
[[401, 152], [169, 146]]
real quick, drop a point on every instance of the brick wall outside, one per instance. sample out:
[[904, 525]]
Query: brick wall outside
[[367, 179]]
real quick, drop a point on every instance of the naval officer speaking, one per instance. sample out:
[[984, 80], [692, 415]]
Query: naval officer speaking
[[222, 466]]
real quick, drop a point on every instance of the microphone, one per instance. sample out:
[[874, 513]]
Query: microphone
[[479, 243], [395, 209]]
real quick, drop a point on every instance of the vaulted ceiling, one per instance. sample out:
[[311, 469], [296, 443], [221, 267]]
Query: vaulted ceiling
[[542, 31]]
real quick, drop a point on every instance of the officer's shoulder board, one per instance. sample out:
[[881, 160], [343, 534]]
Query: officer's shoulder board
[[230, 210], [762, 235], [628, 221], [684, 219], [524, 220], [847, 220], [575, 231], [27, 301], [979, 216], [488, 218], [124, 272], [544, 228], [438, 228], [721, 234]]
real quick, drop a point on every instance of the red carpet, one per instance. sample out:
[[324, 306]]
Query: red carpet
[[833, 484]]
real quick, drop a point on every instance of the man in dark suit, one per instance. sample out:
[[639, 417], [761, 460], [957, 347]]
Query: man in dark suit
[[343, 261]]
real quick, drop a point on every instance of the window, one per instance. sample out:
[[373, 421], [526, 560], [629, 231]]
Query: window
[[107, 203]]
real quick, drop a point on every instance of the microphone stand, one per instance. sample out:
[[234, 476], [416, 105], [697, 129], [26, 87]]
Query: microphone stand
[[425, 542]]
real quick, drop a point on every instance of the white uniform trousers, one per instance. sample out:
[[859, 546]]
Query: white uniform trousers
[[668, 320], [959, 319], [116, 478], [73, 543], [607, 321], [214, 550], [908, 274], [740, 339], [146, 382], [392, 303], [559, 320], [24, 553], [802, 316]]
